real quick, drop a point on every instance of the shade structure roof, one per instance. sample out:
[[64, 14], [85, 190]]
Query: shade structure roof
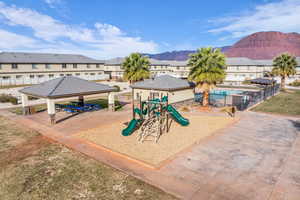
[[262, 81], [67, 86], [163, 83]]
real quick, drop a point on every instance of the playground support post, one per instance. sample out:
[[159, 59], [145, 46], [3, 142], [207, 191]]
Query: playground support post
[[133, 114], [167, 112]]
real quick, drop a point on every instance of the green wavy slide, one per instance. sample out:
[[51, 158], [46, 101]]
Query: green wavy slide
[[177, 116]]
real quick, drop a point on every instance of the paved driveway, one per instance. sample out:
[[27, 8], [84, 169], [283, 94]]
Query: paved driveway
[[258, 158]]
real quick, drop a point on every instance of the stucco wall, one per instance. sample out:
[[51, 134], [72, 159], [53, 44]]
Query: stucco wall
[[174, 97]]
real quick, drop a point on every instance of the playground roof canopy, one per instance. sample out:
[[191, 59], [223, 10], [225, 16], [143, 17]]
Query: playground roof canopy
[[163, 83], [67, 86]]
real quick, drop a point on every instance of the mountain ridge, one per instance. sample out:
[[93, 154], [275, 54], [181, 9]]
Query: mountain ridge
[[259, 45]]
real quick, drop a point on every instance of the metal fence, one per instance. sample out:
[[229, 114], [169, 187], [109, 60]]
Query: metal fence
[[243, 100]]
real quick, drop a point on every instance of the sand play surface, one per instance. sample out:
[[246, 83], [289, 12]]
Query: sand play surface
[[169, 144]]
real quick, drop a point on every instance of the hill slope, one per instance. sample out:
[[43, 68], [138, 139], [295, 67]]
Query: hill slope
[[266, 45], [176, 55]]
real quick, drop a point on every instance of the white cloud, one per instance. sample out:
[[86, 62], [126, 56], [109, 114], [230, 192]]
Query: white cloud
[[276, 16], [52, 3], [105, 39], [11, 40]]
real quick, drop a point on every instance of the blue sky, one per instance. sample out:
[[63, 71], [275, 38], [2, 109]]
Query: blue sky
[[105, 29]]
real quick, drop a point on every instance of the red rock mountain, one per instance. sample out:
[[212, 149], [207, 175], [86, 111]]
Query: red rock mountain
[[266, 45]]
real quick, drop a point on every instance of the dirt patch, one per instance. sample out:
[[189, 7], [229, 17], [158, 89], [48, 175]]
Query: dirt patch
[[23, 150], [12, 134]]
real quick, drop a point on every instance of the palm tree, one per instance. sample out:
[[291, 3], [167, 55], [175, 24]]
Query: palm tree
[[136, 67], [284, 66], [207, 69]]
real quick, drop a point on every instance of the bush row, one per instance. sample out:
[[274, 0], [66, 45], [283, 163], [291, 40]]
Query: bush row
[[296, 83], [7, 98]]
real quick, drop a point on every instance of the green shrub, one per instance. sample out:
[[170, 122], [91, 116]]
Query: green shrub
[[117, 87], [32, 98], [296, 83], [246, 82], [7, 98]]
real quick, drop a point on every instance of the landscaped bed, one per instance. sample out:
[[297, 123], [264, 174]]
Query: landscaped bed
[[287, 103], [154, 154]]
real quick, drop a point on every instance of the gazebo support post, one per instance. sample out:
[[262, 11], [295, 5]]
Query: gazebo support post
[[25, 105], [81, 101], [111, 101], [51, 110]]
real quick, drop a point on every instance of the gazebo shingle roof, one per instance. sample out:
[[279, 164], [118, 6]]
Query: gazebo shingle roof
[[164, 83], [66, 86]]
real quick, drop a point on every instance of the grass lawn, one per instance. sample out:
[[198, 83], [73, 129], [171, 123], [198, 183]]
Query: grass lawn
[[38, 108], [287, 102], [41, 170]]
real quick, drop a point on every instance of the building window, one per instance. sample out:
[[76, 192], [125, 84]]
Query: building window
[[237, 68], [97, 66], [88, 66], [75, 66], [93, 74], [5, 77], [177, 68], [34, 66], [40, 76], [61, 74], [99, 73], [0, 66], [48, 66], [51, 75], [69, 74], [86, 74], [31, 76], [14, 66], [18, 76], [77, 74], [64, 66]]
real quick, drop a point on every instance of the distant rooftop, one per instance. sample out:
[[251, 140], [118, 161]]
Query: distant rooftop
[[51, 58], [67, 86]]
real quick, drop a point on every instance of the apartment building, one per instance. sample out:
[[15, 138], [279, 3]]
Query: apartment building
[[113, 67], [238, 69], [33, 68]]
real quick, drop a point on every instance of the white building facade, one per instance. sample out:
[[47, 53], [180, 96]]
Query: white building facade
[[33, 68]]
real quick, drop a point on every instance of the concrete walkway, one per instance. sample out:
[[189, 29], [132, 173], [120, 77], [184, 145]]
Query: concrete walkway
[[257, 158]]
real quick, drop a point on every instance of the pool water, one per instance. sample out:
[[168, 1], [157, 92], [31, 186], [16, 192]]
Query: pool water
[[226, 92], [218, 94]]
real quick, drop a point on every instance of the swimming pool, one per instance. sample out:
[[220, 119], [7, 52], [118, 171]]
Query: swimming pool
[[217, 94], [226, 92]]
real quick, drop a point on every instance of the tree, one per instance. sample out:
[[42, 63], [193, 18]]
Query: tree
[[136, 67], [284, 66], [207, 68]]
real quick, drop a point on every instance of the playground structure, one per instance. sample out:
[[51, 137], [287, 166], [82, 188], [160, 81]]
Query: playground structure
[[155, 117]]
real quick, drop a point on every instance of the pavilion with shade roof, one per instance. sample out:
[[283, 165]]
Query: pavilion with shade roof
[[64, 87]]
